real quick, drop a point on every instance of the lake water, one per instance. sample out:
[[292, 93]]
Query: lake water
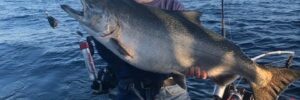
[[40, 63]]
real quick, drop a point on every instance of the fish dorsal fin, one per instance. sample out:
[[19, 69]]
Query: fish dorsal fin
[[193, 16]]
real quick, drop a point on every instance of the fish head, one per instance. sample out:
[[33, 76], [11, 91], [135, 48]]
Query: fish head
[[92, 17], [90, 7]]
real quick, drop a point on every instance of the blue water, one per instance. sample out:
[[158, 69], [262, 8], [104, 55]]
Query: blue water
[[40, 63]]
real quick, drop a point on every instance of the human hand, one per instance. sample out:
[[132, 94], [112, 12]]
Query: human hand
[[196, 72]]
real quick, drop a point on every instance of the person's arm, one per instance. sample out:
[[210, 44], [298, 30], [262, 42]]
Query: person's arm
[[177, 5], [196, 72]]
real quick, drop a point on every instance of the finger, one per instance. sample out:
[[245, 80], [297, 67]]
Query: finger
[[192, 71], [186, 72], [204, 74], [197, 72]]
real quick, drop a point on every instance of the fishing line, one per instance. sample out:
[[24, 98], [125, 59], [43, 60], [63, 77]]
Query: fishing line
[[229, 29], [223, 31], [79, 35], [51, 20]]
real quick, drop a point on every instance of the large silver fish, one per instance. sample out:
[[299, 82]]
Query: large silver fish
[[171, 41]]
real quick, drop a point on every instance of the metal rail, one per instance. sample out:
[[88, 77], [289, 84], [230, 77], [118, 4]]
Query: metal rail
[[291, 53]]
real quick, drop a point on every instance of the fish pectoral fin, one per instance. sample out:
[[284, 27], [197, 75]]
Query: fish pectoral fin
[[120, 48]]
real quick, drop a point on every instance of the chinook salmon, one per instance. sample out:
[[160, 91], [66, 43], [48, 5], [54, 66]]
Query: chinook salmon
[[164, 41]]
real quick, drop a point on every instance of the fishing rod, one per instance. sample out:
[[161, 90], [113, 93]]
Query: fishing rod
[[222, 19], [86, 48], [87, 55]]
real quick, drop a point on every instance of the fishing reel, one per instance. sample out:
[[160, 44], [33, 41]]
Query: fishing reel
[[105, 82], [231, 92], [234, 93]]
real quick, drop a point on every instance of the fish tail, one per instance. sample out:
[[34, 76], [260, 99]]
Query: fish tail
[[277, 81]]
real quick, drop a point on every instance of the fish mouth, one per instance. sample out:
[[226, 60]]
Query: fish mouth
[[72, 12]]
